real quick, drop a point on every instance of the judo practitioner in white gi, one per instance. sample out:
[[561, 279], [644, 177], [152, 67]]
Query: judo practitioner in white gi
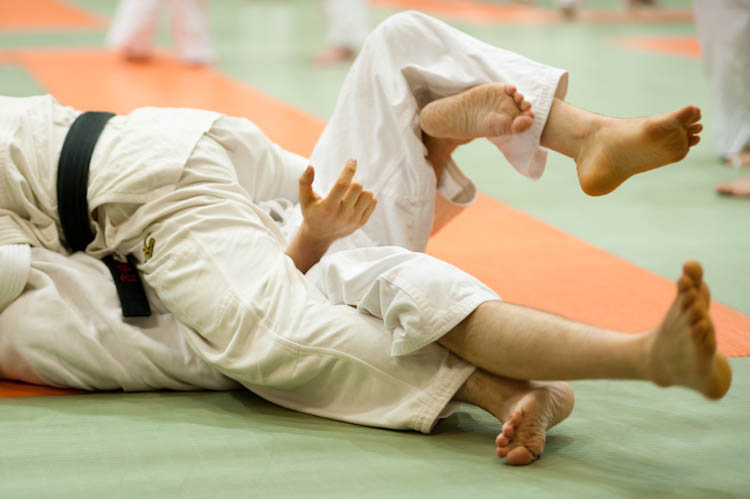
[[325, 303], [724, 32]]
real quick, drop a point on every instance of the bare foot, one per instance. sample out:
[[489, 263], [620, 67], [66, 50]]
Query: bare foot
[[739, 188], [616, 149], [739, 160], [525, 430], [332, 55], [683, 349], [487, 110]]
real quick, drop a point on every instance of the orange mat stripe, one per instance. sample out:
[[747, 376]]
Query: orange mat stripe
[[482, 12], [13, 389], [475, 11], [532, 263], [120, 86], [46, 14], [525, 260], [687, 46]]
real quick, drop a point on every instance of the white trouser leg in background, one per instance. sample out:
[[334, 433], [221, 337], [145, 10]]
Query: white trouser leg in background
[[191, 30], [408, 61], [136, 22], [134, 26], [346, 23], [724, 33]]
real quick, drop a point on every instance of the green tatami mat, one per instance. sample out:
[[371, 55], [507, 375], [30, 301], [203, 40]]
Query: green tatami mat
[[624, 439]]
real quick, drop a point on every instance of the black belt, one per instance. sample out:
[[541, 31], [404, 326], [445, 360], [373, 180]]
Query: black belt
[[72, 187]]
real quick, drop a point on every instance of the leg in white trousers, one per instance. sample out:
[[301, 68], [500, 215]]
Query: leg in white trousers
[[406, 62], [136, 21], [724, 32]]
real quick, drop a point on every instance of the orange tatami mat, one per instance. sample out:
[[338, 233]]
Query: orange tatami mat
[[687, 46], [13, 389], [484, 12], [46, 14], [120, 86], [532, 263], [526, 261]]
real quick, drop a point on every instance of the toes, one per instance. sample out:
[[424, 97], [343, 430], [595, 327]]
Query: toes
[[498, 124], [703, 333], [695, 313], [516, 417], [502, 441], [510, 89], [521, 124], [694, 271], [694, 129], [518, 97], [693, 140], [688, 298], [525, 106], [688, 115], [684, 283], [520, 456]]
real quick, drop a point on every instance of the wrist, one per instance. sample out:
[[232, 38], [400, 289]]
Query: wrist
[[313, 238]]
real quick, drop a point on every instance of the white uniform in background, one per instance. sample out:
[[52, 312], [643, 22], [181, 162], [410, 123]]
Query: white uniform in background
[[212, 198], [136, 22], [724, 33], [346, 23]]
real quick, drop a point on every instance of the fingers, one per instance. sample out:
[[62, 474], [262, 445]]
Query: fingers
[[343, 183], [358, 204], [349, 197], [364, 207], [306, 193]]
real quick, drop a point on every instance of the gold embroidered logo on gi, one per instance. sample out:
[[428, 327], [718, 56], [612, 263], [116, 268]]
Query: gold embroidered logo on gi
[[148, 247]]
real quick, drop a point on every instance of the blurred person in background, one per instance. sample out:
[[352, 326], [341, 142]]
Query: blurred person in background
[[346, 29], [724, 33], [136, 21]]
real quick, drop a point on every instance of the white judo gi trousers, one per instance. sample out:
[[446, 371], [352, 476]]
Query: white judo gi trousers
[[346, 22], [724, 32], [136, 22], [354, 339]]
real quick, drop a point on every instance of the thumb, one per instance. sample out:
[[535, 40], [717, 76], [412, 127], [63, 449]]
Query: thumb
[[306, 193]]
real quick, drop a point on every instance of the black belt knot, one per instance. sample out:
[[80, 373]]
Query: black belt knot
[[72, 205]]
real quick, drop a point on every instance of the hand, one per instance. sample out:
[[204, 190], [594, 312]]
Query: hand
[[346, 209]]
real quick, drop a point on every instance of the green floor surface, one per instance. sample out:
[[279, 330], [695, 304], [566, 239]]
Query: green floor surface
[[624, 439]]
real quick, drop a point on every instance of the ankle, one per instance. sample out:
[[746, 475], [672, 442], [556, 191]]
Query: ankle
[[587, 131], [439, 151], [647, 369]]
